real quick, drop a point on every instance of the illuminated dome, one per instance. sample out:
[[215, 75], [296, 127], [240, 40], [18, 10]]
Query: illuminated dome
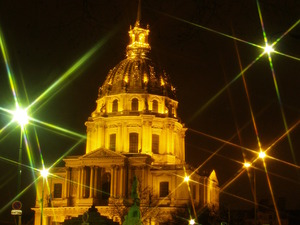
[[137, 73]]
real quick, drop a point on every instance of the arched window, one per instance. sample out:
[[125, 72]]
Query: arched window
[[135, 104], [133, 142], [155, 143], [155, 106], [112, 142], [115, 106]]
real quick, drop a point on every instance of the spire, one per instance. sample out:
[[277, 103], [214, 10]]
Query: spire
[[138, 44], [138, 16]]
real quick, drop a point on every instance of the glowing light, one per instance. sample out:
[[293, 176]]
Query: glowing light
[[145, 78], [262, 155], [192, 221], [126, 78], [268, 49], [186, 179], [247, 165], [162, 82], [21, 117], [44, 173]]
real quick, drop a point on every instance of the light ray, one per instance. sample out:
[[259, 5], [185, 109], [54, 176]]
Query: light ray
[[248, 97], [231, 138], [63, 130], [272, 194], [238, 39], [16, 197], [276, 85], [12, 83], [211, 30], [284, 135], [284, 34], [67, 152], [286, 55], [224, 141], [186, 180], [65, 78], [223, 89]]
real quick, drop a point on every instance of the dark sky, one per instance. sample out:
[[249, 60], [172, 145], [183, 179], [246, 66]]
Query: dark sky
[[44, 39]]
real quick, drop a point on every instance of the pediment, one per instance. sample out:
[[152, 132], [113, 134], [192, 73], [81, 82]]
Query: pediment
[[102, 153]]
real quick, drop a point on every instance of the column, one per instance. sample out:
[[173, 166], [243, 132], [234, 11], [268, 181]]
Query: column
[[112, 178], [78, 182], [82, 182], [67, 182], [95, 181], [121, 191], [91, 194], [115, 180]]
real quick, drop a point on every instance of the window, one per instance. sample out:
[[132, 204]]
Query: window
[[135, 104], [163, 189], [155, 106], [155, 143], [133, 142], [115, 106], [112, 142], [57, 193]]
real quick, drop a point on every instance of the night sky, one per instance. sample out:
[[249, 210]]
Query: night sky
[[192, 41]]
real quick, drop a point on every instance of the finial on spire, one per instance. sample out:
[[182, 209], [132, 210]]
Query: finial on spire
[[138, 17]]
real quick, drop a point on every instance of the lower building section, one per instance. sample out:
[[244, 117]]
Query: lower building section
[[104, 179]]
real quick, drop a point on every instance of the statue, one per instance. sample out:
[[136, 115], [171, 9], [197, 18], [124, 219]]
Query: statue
[[134, 215]]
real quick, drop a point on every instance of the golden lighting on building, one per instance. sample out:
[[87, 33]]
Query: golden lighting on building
[[145, 78], [126, 78], [162, 82]]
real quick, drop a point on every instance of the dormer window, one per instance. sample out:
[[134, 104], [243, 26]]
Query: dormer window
[[135, 104], [115, 106], [155, 106]]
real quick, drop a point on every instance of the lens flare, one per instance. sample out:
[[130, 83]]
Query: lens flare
[[44, 173], [268, 49], [21, 117]]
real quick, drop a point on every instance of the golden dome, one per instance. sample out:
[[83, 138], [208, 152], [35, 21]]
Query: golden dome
[[137, 73]]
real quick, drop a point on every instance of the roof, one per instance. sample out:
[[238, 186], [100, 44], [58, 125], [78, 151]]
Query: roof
[[137, 73]]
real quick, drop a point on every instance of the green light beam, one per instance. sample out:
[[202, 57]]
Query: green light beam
[[276, 85], [211, 30], [63, 130], [71, 71], [16, 197], [12, 83]]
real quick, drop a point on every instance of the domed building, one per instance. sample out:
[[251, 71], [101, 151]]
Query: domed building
[[133, 132]]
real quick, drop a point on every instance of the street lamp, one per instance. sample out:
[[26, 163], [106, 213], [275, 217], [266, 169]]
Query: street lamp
[[44, 173], [192, 221], [262, 154], [268, 49], [20, 116]]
